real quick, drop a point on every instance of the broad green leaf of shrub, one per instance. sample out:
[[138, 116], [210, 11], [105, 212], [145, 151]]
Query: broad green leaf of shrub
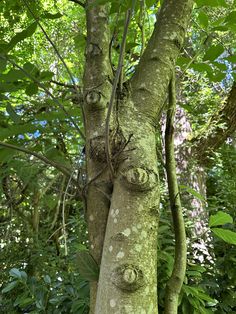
[[14, 272], [211, 3], [87, 266], [213, 52], [220, 218], [51, 16], [226, 235], [13, 115], [203, 19], [10, 286], [29, 31], [31, 89]]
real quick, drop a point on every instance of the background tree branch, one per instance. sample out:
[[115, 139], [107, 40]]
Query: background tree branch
[[221, 125]]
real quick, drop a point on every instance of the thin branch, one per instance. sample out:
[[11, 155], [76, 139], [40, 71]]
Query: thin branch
[[113, 92], [58, 54], [52, 163], [78, 2], [47, 92], [62, 84], [175, 282], [63, 215], [58, 204]]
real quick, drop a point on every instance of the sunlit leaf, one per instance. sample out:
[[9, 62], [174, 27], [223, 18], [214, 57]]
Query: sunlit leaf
[[14, 116], [51, 16], [226, 235], [214, 52], [29, 31], [203, 19], [220, 218]]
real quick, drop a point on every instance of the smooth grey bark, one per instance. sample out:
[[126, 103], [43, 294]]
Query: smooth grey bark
[[129, 202], [97, 88]]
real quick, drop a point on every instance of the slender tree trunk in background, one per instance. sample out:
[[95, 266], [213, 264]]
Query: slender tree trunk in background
[[122, 208], [193, 157], [192, 175]]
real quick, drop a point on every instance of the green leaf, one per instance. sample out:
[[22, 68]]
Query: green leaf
[[231, 17], [47, 279], [6, 154], [226, 235], [203, 19], [31, 69], [79, 41], [31, 89], [87, 266], [10, 286], [213, 52], [211, 3], [220, 218], [14, 272], [29, 31], [193, 192], [46, 76], [150, 3], [3, 64], [13, 115], [19, 129], [201, 67], [51, 16], [12, 76], [23, 300], [231, 59]]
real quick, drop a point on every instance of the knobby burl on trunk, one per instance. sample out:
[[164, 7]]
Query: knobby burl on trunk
[[122, 209]]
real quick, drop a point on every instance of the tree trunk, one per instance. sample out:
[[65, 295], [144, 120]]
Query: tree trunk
[[122, 207]]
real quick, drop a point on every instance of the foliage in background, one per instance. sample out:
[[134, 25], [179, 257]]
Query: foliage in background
[[42, 219]]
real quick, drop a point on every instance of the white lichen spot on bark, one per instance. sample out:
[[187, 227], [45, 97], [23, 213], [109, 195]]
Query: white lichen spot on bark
[[138, 247], [120, 255], [115, 221], [143, 85], [114, 212], [110, 248], [143, 234], [127, 232], [112, 303], [101, 14], [91, 218], [92, 246]]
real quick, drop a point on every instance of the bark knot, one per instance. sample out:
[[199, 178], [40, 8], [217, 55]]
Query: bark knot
[[93, 50], [139, 178], [92, 97], [128, 277]]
